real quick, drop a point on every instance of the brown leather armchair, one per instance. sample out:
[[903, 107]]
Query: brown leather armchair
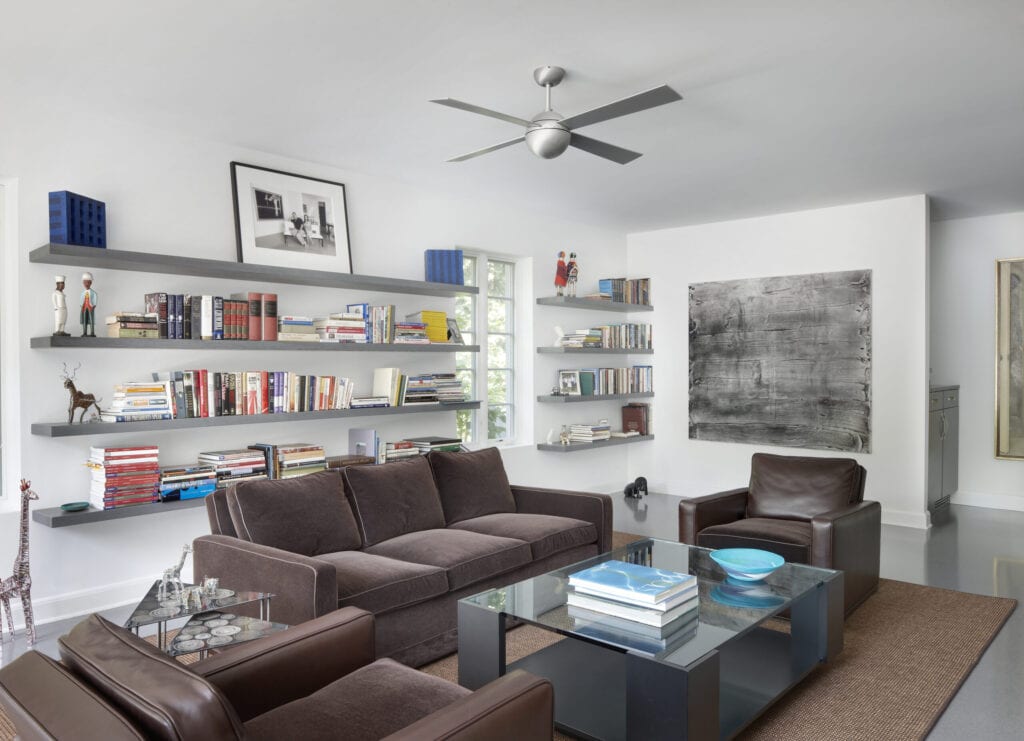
[[317, 680], [807, 510]]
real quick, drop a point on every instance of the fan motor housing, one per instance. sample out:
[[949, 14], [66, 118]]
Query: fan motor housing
[[546, 137]]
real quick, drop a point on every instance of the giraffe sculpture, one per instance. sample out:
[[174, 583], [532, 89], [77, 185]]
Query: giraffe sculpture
[[172, 577], [19, 584]]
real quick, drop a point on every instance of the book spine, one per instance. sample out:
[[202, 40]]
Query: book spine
[[217, 331], [268, 314]]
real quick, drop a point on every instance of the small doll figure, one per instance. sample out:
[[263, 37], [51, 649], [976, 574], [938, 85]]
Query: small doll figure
[[60, 308], [89, 300], [572, 274], [561, 275]]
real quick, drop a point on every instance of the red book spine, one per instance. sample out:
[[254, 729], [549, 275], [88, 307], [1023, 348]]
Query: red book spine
[[204, 406], [268, 313], [264, 392]]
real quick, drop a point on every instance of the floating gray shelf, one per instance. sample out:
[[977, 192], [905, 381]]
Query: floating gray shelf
[[593, 351], [56, 517], [593, 304], [569, 399], [150, 344], [146, 262], [60, 429], [577, 447]]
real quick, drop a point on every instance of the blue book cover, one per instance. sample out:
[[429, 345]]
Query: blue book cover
[[630, 582]]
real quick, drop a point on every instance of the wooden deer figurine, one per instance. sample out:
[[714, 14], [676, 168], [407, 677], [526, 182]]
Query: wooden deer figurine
[[79, 400], [20, 583]]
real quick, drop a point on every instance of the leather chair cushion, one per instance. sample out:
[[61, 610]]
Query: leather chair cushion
[[379, 584], [308, 515], [471, 484], [159, 695], [546, 534], [466, 557], [791, 539], [797, 488], [366, 705], [394, 499]]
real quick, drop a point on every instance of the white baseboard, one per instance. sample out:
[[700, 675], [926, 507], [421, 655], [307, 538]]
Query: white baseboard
[[82, 602], [992, 501], [901, 518]]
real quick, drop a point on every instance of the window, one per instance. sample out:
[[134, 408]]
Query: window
[[488, 319]]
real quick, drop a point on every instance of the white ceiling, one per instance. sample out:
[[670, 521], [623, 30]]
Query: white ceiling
[[787, 105]]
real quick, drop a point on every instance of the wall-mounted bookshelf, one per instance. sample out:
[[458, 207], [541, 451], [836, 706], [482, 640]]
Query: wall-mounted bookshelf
[[571, 399], [592, 304], [79, 343], [56, 517], [578, 447], [593, 351]]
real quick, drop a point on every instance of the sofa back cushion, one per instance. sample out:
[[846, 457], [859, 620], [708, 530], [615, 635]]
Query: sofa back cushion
[[308, 515], [798, 488], [161, 696], [394, 499], [471, 484]]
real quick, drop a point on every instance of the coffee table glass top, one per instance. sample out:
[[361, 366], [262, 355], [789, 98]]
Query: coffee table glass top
[[152, 610], [219, 629], [727, 609]]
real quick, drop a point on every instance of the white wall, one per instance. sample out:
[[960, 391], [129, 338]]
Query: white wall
[[963, 316], [172, 194], [888, 237]]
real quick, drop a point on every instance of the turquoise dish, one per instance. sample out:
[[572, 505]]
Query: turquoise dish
[[745, 595], [747, 564], [75, 506]]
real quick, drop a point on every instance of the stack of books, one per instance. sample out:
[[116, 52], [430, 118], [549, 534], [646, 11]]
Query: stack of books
[[436, 323], [434, 442], [342, 327], [400, 450], [635, 291], [636, 606], [186, 482], [296, 329], [411, 333], [581, 338], [123, 476], [449, 388], [129, 324], [626, 336], [589, 433], [365, 402], [290, 460], [136, 401], [233, 466]]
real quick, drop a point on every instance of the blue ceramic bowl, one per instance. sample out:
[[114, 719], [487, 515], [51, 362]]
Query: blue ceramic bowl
[[747, 564]]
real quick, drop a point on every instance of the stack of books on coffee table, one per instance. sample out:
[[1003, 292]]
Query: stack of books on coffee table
[[637, 607]]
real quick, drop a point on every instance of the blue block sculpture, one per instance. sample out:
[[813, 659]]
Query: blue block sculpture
[[444, 266], [75, 219]]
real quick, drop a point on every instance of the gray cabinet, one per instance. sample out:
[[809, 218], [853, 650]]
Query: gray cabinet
[[943, 444]]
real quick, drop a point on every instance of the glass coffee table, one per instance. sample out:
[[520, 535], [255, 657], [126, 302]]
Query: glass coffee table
[[708, 682]]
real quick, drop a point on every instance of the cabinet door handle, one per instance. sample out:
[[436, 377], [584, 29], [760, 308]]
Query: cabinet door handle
[[942, 435]]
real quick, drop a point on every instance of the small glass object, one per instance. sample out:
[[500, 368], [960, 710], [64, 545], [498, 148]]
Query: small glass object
[[564, 435], [210, 585]]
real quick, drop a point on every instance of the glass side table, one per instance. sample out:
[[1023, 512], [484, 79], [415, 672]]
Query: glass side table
[[151, 610], [216, 629]]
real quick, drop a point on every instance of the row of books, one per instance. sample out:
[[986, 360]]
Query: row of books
[[123, 476], [367, 442], [178, 483], [610, 336], [625, 290], [242, 316], [636, 606], [603, 381], [636, 418], [397, 389], [289, 460]]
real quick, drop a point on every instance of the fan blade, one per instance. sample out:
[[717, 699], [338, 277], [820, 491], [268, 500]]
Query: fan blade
[[633, 104], [491, 148], [452, 103], [603, 149]]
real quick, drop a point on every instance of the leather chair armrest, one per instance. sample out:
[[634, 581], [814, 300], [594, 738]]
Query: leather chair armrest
[[46, 701], [263, 674], [849, 540], [581, 505], [303, 587], [713, 509], [516, 707]]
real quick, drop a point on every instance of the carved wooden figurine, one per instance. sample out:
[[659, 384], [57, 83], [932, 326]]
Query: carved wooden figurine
[[79, 400], [19, 584]]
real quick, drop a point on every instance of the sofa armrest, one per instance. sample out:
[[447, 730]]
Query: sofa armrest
[[581, 505], [46, 701], [516, 707], [713, 509], [263, 674], [303, 587]]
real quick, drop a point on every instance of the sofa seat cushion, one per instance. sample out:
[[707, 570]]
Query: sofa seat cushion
[[791, 539], [465, 556], [379, 584], [370, 703], [394, 499], [471, 484], [546, 534], [308, 515]]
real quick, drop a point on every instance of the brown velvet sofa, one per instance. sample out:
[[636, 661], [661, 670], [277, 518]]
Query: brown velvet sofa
[[315, 681], [404, 541], [807, 510]]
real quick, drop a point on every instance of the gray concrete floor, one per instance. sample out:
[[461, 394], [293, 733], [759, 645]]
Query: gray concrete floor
[[972, 550]]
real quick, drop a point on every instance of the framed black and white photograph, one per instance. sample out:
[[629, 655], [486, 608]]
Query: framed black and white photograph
[[454, 334], [289, 220], [569, 382]]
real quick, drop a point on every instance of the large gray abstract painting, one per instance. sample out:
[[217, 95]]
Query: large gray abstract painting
[[783, 361]]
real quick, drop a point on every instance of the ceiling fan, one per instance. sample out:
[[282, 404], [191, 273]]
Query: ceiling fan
[[549, 133]]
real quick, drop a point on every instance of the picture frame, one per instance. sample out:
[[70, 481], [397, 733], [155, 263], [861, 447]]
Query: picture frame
[[287, 220], [569, 382], [454, 333]]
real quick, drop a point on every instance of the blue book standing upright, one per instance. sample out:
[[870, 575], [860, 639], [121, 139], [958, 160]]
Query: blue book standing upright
[[75, 219], [444, 266]]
